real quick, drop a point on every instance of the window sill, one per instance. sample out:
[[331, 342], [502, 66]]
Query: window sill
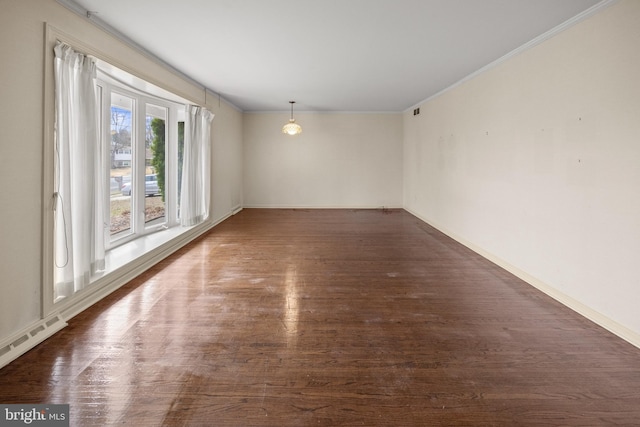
[[127, 261], [122, 255]]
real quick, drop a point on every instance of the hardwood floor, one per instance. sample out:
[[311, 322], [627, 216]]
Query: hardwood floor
[[330, 317]]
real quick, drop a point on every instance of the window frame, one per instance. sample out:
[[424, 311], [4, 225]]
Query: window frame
[[141, 99]]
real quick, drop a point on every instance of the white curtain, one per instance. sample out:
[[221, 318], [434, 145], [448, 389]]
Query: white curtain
[[79, 224], [194, 194]]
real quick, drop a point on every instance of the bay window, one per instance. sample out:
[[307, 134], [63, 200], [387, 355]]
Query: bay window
[[141, 140], [126, 155]]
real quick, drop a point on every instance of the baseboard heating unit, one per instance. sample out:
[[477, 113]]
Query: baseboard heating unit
[[24, 340]]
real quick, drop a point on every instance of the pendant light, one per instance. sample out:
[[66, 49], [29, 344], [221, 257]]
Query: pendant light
[[292, 128]]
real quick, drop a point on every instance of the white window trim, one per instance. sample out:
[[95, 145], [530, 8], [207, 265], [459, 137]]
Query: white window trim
[[139, 229]]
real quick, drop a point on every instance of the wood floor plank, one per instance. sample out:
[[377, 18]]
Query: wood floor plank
[[299, 317]]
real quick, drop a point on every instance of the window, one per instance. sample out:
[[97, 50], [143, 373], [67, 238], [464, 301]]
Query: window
[[127, 173], [141, 141], [116, 173]]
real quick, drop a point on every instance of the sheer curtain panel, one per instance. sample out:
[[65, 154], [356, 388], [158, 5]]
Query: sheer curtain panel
[[194, 194], [78, 216]]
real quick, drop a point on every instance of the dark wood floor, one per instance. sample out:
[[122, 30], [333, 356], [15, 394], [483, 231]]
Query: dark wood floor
[[330, 317]]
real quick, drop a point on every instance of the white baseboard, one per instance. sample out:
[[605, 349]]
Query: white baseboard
[[596, 317], [275, 206]]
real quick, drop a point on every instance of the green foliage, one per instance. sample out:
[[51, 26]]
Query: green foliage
[[180, 156], [158, 149]]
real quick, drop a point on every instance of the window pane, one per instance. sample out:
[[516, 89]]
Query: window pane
[[155, 179], [121, 164]]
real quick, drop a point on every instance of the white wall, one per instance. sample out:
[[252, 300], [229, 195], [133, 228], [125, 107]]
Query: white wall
[[20, 171], [340, 160], [22, 106], [536, 164], [226, 163]]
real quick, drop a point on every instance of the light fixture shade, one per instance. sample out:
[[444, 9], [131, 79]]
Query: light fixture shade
[[292, 128]]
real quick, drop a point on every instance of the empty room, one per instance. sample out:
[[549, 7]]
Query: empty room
[[290, 213]]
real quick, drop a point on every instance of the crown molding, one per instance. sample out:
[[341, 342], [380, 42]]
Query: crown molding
[[93, 18], [534, 42]]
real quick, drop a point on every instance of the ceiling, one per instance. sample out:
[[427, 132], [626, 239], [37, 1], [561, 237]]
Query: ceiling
[[331, 55]]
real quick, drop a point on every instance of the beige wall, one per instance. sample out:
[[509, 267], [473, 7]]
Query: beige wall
[[340, 160], [22, 107], [536, 163]]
